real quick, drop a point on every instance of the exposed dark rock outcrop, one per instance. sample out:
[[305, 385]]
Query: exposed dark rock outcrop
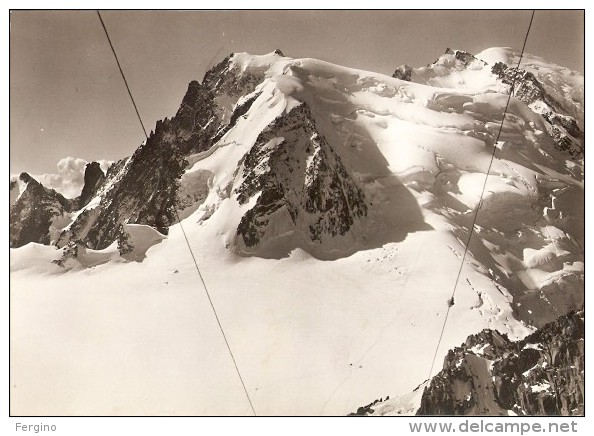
[[34, 213], [93, 179], [403, 72], [528, 89], [368, 409], [542, 374], [463, 57], [301, 181]]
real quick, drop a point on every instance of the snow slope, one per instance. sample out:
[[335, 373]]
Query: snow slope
[[313, 336]]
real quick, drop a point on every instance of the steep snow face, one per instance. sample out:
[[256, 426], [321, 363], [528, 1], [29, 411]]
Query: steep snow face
[[328, 209]]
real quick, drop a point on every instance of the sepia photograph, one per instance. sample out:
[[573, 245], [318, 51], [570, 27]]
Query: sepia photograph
[[296, 213]]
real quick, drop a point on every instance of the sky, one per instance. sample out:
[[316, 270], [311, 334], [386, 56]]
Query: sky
[[67, 98]]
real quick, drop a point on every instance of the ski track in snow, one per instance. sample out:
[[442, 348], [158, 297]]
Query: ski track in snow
[[357, 363]]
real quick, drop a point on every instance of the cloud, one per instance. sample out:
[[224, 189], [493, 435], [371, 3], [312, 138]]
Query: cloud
[[69, 179]]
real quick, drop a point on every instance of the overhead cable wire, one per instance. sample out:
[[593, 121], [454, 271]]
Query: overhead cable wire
[[451, 300], [181, 227]]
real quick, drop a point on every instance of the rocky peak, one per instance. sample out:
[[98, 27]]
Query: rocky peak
[[306, 193], [206, 110], [194, 88], [278, 52], [33, 214], [194, 124], [26, 178], [93, 179], [189, 104]]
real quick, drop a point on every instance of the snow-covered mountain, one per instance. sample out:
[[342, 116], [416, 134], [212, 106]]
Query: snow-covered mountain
[[327, 208], [555, 92]]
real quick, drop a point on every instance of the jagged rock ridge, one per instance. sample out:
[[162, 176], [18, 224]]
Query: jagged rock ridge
[[144, 189], [527, 88], [34, 216], [542, 374], [456, 59]]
